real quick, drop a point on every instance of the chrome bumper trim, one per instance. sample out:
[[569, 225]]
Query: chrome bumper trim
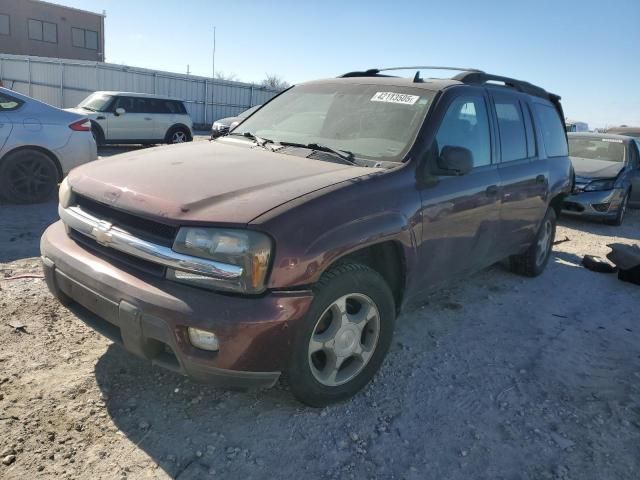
[[111, 236]]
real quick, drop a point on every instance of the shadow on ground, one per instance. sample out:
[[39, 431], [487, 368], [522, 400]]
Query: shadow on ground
[[21, 227]]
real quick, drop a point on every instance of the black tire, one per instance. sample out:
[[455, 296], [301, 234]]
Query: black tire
[[622, 209], [342, 280], [28, 176], [178, 135], [533, 262], [98, 135]]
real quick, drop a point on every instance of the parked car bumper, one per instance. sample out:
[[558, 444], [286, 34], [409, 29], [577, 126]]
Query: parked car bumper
[[79, 149], [149, 316], [597, 205]]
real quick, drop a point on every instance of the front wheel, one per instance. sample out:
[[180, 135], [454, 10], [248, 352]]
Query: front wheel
[[533, 262], [179, 135], [344, 336], [622, 209]]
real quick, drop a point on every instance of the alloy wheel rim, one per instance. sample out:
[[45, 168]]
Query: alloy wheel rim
[[544, 242], [344, 339], [32, 177], [179, 137]]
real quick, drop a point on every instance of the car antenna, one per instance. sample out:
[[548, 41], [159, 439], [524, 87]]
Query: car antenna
[[416, 78]]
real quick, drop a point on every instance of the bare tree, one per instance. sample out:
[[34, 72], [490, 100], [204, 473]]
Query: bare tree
[[275, 82], [229, 77]]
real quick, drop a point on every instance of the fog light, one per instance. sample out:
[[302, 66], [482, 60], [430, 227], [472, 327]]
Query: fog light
[[203, 339]]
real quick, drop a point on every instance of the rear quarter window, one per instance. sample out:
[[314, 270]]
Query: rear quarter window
[[180, 108], [552, 129]]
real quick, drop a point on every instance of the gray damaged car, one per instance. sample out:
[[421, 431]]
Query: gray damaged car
[[607, 169]]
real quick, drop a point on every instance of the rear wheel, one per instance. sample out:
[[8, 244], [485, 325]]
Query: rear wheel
[[533, 262], [28, 176], [622, 210], [178, 135], [344, 337]]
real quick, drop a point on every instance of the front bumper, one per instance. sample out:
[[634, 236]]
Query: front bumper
[[596, 205], [149, 316]]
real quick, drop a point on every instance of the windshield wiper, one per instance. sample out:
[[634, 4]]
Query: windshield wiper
[[89, 108], [345, 155], [259, 140]]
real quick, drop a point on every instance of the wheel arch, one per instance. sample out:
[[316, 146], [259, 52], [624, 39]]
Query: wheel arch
[[95, 125], [388, 259]]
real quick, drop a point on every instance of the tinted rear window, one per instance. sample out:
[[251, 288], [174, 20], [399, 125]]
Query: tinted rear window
[[513, 139], [552, 128]]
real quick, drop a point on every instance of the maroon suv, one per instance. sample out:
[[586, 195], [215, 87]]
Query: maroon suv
[[290, 245]]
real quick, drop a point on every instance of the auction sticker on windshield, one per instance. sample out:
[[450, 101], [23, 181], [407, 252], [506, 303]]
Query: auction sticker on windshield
[[391, 97]]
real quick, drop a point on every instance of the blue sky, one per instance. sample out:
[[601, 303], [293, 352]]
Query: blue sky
[[586, 51]]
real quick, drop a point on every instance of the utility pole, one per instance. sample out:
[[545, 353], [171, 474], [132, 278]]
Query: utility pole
[[213, 68], [188, 71]]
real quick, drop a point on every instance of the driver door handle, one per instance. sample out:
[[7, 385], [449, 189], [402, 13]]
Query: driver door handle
[[541, 179], [147, 118]]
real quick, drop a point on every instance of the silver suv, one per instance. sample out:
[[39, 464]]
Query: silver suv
[[121, 117]]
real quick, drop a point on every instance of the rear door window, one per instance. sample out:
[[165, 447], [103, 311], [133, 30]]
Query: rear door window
[[511, 125], [553, 134], [141, 105]]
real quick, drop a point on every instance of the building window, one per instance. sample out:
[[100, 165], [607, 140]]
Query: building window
[[84, 38], [4, 24], [43, 31]]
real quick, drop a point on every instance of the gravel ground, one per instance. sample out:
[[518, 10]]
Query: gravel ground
[[499, 377]]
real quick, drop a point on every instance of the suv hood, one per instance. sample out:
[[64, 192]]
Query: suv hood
[[206, 181], [590, 168]]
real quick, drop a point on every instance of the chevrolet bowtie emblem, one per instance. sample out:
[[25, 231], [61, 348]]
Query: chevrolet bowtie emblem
[[102, 233]]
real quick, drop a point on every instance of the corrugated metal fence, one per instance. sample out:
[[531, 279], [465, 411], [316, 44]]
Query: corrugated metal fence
[[65, 83]]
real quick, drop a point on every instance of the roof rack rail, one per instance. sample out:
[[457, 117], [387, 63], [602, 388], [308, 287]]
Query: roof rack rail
[[520, 85], [372, 72]]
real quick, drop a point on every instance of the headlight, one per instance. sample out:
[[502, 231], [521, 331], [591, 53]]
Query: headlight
[[597, 185], [64, 193], [246, 249]]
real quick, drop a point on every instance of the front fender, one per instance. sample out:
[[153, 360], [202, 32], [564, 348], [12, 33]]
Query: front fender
[[348, 238]]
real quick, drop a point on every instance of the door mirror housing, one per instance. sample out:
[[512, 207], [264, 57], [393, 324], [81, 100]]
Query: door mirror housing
[[455, 160], [120, 111]]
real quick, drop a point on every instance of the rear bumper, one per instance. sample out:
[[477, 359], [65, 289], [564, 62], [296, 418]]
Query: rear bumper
[[80, 149], [596, 205], [150, 316]]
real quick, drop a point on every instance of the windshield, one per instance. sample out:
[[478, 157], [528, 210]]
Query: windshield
[[96, 102], [607, 149], [249, 111], [378, 122]]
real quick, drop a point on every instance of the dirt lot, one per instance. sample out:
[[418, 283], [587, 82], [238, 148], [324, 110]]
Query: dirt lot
[[498, 378]]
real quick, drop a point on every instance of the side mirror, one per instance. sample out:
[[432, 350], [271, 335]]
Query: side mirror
[[120, 111], [455, 160]]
